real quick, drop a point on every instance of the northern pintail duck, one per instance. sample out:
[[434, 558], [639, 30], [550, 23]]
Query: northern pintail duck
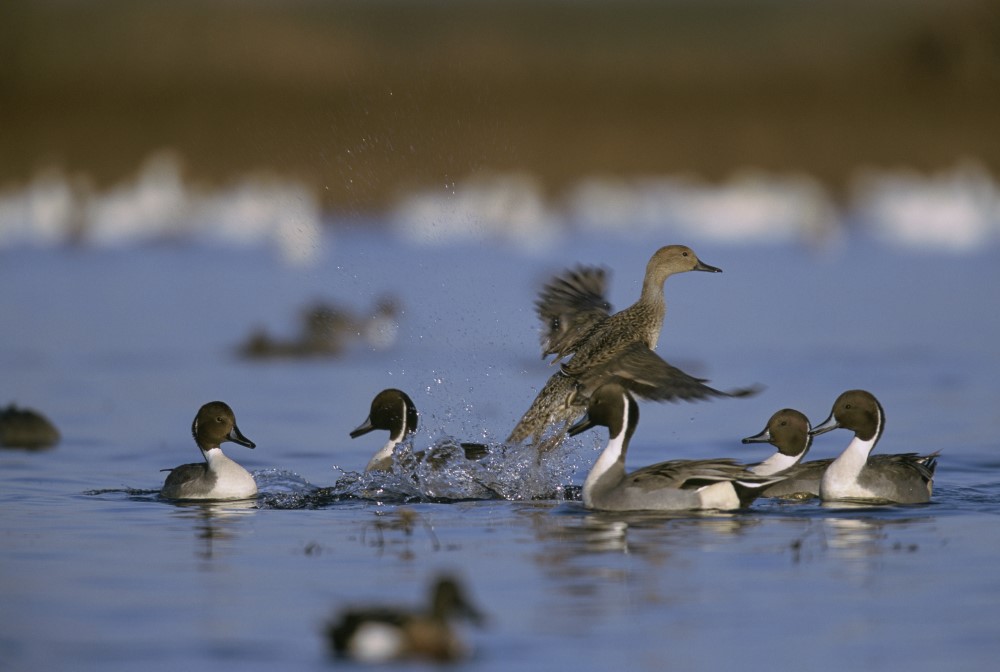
[[327, 330], [676, 485], [383, 634], [577, 323], [393, 410], [788, 431], [906, 478], [218, 477], [26, 428]]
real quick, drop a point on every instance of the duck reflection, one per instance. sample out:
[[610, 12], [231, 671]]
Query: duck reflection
[[864, 539], [214, 522], [583, 555], [390, 525]]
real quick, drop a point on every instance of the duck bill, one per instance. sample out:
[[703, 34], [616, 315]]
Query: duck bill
[[363, 428], [582, 426], [763, 437], [702, 266], [236, 436], [827, 425]]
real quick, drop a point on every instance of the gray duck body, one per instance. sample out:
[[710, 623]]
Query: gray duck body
[[903, 478], [674, 485]]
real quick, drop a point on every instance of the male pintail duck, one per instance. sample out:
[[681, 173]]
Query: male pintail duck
[[26, 428], [788, 431], [906, 478], [382, 634], [393, 410], [676, 485], [218, 477], [577, 323]]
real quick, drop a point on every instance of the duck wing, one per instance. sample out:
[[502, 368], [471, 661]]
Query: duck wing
[[569, 306], [646, 374], [691, 474], [903, 463], [176, 485]]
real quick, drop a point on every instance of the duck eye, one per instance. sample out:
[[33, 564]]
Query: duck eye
[[219, 420], [684, 254]]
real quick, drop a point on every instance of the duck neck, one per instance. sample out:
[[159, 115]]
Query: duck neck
[[216, 459], [775, 464], [848, 466], [382, 460], [609, 470], [652, 290], [650, 310]]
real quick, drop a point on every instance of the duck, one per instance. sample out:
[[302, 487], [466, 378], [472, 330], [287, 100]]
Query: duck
[[675, 485], [385, 634], [393, 410], [218, 477], [327, 330], [26, 428], [904, 478], [577, 324], [788, 431]]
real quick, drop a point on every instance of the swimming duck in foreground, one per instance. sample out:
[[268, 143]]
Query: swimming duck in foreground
[[218, 477], [676, 485], [906, 478], [788, 431], [382, 634], [393, 410], [577, 322]]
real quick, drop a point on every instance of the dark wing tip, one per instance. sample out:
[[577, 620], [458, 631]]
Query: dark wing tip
[[742, 392]]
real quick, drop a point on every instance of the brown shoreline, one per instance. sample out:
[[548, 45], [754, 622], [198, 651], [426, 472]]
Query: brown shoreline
[[364, 101]]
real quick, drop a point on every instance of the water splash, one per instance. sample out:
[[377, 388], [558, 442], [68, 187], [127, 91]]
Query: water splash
[[444, 473]]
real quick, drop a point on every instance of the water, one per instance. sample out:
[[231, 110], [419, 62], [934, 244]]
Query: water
[[119, 346]]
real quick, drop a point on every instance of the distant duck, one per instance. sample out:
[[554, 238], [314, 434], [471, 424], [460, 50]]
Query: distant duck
[[394, 411], [384, 634], [788, 431], [218, 477], [906, 478], [676, 485], [26, 428], [604, 347], [327, 331]]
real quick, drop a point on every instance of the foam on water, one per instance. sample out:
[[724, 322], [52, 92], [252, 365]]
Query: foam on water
[[441, 473]]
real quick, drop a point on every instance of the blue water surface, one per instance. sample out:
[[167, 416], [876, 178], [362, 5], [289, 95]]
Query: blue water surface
[[121, 346]]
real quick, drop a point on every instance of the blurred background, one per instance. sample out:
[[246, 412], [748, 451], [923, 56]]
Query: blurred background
[[361, 104]]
